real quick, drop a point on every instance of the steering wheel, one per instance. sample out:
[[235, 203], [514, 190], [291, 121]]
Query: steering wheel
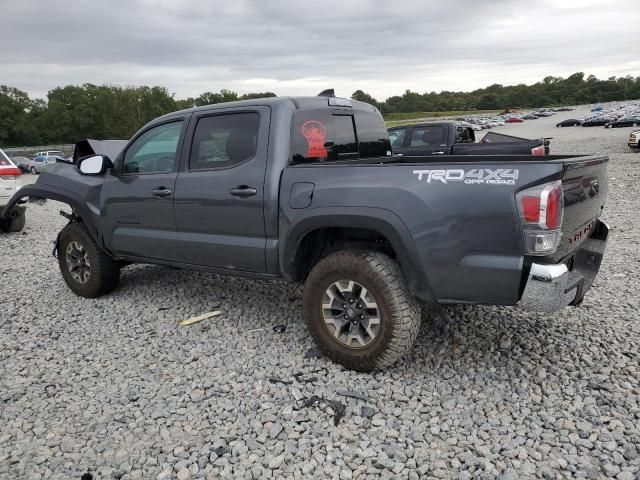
[[163, 164]]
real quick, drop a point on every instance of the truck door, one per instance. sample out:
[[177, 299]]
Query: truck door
[[138, 197], [219, 192]]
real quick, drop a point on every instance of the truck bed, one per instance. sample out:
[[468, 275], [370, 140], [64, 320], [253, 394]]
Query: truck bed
[[459, 213]]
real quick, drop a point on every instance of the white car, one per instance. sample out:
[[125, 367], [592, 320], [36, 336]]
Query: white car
[[9, 174], [634, 139]]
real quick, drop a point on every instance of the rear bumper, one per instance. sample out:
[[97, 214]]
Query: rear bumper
[[551, 287]]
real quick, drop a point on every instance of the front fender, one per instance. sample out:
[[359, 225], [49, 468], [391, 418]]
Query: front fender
[[41, 190], [383, 221]]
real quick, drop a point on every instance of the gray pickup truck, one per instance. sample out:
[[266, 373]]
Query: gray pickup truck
[[458, 138], [306, 189]]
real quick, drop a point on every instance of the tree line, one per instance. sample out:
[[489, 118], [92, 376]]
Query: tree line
[[75, 112]]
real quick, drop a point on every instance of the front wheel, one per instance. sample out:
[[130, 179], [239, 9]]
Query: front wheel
[[359, 309], [87, 270]]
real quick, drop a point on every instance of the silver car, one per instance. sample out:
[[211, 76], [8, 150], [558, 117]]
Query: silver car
[[42, 159], [37, 164]]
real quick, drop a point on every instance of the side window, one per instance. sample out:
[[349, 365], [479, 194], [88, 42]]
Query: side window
[[224, 140], [427, 136], [373, 138], [463, 135], [343, 138], [154, 151], [318, 135], [397, 137]]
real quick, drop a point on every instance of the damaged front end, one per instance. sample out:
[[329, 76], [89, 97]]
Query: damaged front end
[[63, 182]]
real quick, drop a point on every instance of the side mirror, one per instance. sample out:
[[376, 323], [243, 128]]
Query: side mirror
[[94, 164]]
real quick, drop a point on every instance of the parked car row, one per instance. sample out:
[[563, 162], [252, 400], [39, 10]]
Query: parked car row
[[615, 116], [481, 122], [39, 161]]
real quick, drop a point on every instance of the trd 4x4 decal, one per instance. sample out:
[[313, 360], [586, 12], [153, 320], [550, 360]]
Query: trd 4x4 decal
[[488, 176]]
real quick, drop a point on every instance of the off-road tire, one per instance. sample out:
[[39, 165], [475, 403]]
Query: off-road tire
[[14, 224], [105, 271], [400, 313]]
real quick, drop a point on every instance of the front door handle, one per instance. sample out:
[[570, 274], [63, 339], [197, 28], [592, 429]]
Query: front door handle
[[243, 191], [437, 153], [161, 192]]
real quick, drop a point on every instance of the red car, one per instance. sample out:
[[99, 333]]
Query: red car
[[514, 120]]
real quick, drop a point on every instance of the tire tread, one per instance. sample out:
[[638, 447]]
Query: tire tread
[[404, 308], [105, 272]]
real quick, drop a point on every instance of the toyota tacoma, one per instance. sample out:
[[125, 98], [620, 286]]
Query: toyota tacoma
[[307, 189]]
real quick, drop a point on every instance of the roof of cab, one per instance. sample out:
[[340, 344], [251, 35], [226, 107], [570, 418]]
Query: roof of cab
[[299, 103]]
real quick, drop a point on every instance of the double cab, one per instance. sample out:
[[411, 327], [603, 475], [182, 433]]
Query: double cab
[[307, 189]]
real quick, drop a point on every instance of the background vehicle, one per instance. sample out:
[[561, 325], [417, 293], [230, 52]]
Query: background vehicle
[[634, 139], [15, 216], [514, 120], [51, 155], [595, 122], [37, 164], [22, 163], [624, 122], [569, 122], [306, 189], [457, 138]]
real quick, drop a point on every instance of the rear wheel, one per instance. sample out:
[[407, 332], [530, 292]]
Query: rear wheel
[[33, 170], [87, 270], [359, 309], [15, 223]]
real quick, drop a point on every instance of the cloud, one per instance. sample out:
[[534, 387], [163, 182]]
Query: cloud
[[292, 47]]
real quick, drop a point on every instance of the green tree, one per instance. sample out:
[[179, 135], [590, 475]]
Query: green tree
[[364, 97]]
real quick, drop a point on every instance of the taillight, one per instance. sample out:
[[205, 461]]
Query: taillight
[[537, 151], [541, 210], [9, 172]]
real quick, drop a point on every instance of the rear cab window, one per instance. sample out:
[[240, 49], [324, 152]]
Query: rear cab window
[[326, 135]]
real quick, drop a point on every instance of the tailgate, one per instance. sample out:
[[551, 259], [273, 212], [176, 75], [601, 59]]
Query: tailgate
[[584, 183]]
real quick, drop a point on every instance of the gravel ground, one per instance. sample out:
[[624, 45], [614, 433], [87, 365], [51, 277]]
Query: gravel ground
[[115, 387]]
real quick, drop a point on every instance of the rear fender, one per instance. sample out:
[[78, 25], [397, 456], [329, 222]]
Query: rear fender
[[385, 222]]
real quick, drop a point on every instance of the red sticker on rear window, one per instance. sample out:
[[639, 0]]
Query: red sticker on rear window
[[315, 133]]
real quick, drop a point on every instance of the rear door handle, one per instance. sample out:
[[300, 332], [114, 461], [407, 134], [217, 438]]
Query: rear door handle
[[437, 153], [243, 191], [161, 192]]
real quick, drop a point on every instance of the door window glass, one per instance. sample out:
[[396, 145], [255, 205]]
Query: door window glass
[[224, 140], [427, 136], [154, 151], [397, 137]]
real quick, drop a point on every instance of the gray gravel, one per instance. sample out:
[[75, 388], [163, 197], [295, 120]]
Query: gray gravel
[[115, 387]]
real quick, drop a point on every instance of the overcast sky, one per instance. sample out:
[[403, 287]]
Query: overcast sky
[[294, 47]]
